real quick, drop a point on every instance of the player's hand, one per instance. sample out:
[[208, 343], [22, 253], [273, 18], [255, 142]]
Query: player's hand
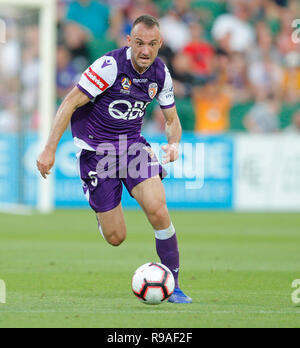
[[171, 153], [45, 162]]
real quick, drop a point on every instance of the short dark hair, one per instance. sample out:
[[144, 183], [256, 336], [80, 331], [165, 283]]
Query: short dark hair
[[148, 20]]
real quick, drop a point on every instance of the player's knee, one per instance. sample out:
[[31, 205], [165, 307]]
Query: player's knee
[[116, 241], [159, 213], [116, 238]]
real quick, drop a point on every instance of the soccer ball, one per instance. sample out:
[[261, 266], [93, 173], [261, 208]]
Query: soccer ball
[[153, 283]]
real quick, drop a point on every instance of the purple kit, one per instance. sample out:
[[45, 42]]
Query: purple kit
[[108, 128]]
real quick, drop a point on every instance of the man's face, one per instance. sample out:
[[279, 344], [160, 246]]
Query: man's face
[[145, 43]]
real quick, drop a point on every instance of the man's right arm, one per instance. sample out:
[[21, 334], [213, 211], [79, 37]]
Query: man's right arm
[[100, 76], [73, 100]]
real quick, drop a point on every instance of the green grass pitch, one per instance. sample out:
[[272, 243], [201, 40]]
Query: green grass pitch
[[238, 268]]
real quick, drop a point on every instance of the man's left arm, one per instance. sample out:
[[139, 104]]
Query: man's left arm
[[173, 132]]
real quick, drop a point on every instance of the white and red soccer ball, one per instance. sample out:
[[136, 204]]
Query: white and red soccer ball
[[153, 283]]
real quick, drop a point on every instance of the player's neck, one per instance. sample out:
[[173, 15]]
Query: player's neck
[[137, 68]]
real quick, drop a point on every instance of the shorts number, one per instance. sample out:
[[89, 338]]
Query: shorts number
[[94, 177]]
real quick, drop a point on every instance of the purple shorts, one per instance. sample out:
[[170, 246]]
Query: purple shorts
[[103, 172]]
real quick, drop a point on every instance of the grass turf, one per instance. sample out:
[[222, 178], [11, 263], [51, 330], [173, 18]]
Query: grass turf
[[238, 268]]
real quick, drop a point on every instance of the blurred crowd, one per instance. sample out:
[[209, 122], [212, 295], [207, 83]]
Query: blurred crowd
[[235, 64]]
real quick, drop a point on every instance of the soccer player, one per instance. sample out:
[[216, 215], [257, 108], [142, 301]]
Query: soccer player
[[106, 110]]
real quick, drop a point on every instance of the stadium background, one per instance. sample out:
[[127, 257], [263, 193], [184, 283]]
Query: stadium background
[[236, 71], [237, 94]]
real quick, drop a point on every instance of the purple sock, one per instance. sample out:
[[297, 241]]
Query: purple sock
[[167, 250]]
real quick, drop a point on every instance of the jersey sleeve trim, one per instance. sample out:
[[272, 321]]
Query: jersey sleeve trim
[[167, 106], [84, 91], [166, 97]]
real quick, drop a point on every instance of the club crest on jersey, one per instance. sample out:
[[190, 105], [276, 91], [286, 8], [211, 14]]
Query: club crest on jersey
[[153, 88], [126, 83]]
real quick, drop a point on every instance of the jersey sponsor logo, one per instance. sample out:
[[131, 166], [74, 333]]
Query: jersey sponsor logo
[[132, 112], [153, 88], [140, 80], [96, 80], [170, 95]]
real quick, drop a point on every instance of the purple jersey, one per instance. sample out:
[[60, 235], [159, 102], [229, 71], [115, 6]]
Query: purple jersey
[[119, 97]]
